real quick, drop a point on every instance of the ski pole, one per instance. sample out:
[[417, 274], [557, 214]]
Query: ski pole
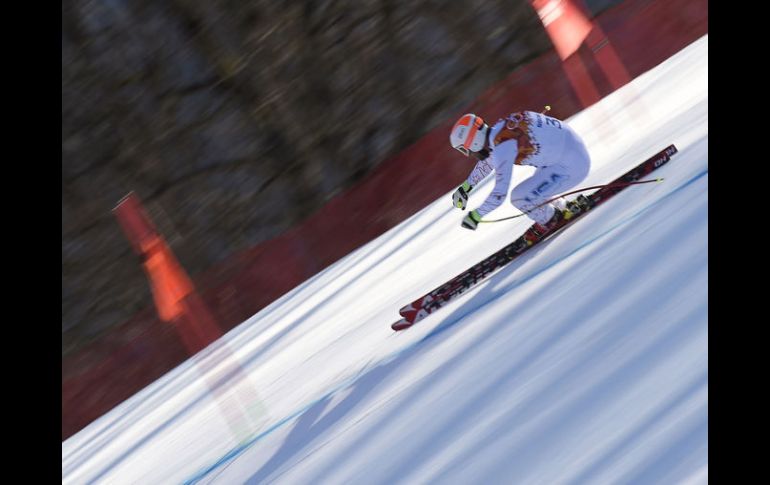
[[620, 184]]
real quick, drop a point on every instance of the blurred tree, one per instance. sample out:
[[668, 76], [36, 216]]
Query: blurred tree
[[235, 120]]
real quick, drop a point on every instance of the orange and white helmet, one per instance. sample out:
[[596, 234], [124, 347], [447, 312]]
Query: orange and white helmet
[[469, 134]]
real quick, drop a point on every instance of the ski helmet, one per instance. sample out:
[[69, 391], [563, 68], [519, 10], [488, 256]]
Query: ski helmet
[[469, 134]]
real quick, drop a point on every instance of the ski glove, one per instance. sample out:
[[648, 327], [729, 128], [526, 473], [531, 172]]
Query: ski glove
[[471, 221], [460, 197]]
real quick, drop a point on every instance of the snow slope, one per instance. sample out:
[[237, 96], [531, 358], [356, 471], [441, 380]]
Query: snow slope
[[584, 361]]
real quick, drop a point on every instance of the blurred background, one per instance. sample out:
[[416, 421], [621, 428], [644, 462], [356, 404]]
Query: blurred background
[[235, 121]]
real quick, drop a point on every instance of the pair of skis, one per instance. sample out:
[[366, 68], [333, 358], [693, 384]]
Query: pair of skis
[[441, 296]]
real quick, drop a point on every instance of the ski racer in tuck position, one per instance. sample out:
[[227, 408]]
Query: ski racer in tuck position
[[523, 138]]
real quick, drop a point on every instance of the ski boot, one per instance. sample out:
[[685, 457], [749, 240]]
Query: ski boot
[[579, 205], [538, 231]]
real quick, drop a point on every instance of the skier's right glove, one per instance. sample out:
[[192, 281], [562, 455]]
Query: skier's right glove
[[471, 221], [460, 197]]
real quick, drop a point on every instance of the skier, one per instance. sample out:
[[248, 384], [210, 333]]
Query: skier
[[523, 138]]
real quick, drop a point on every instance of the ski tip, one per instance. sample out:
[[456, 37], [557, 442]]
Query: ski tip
[[402, 324]]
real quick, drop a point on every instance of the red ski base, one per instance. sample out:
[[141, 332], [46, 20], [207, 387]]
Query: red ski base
[[402, 324]]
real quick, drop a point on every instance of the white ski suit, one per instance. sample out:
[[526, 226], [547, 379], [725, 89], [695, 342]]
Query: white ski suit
[[530, 138]]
